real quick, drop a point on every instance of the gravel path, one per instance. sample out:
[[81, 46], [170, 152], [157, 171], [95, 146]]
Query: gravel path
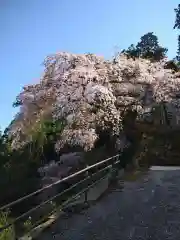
[[148, 208]]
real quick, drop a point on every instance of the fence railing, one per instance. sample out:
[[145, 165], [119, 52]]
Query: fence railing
[[79, 184]]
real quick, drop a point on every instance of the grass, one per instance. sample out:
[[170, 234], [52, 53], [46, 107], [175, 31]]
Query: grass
[[9, 233]]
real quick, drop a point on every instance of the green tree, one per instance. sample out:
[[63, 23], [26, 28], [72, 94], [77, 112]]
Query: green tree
[[132, 51], [18, 168], [177, 26], [44, 135], [177, 19], [148, 47]]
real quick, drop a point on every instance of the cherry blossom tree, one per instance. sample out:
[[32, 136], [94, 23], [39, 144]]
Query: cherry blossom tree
[[87, 93]]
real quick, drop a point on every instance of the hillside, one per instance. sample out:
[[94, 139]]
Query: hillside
[[87, 95], [83, 110]]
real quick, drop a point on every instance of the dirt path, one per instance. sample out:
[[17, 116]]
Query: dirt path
[[146, 208]]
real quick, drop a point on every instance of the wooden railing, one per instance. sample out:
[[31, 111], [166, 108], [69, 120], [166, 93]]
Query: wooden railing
[[87, 179]]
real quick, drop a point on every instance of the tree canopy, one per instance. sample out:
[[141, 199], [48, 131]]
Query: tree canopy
[[177, 26], [148, 47]]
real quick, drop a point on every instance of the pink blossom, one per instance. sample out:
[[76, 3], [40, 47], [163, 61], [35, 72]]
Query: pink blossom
[[90, 92]]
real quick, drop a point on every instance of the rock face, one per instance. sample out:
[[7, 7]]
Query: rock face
[[90, 93]]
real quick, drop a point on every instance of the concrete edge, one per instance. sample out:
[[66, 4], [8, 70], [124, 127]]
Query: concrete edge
[[164, 168]]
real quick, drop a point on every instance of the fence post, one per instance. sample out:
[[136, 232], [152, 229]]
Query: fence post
[[111, 172], [119, 164], [116, 166], [86, 192]]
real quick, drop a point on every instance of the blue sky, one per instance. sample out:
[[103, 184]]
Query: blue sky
[[32, 29]]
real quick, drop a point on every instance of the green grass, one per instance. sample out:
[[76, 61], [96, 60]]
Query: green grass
[[9, 233]]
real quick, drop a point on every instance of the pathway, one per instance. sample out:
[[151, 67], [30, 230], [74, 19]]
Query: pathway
[[147, 208]]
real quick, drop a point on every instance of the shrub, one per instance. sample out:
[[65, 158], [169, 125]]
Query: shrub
[[9, 233]]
